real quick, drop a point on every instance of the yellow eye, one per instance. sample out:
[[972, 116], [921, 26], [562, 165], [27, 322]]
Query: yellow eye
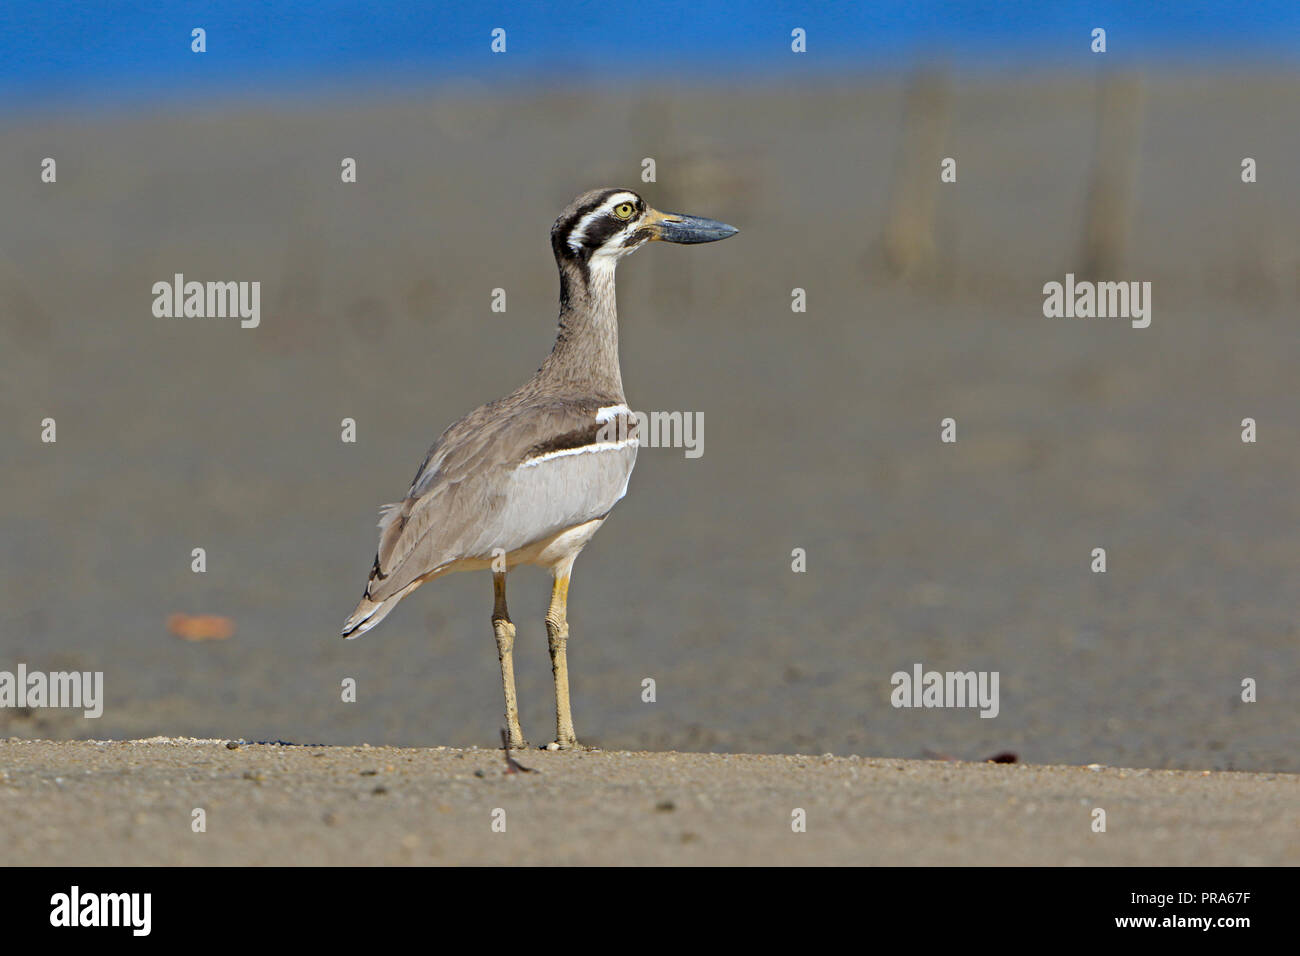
[[623, 210]]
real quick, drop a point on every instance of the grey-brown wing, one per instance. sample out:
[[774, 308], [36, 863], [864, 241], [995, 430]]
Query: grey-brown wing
[[504, 477]]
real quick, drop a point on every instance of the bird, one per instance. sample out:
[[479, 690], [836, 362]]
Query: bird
[[529, 478]]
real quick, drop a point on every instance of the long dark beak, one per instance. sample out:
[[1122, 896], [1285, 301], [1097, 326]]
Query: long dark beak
[[674, 227]]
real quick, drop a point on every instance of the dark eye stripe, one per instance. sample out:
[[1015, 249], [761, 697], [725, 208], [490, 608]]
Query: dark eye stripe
[[599, 232]]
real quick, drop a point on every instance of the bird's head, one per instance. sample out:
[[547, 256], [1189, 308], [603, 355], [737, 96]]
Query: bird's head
[[606, 224]]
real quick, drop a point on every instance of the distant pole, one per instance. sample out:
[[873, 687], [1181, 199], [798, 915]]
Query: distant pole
[[1109, 215], [908, 242]]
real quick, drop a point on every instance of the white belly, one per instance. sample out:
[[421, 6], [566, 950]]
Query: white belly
[[557, 553]]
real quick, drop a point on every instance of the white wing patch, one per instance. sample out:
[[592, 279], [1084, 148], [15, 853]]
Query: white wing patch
[[585, 449], [611, 412]]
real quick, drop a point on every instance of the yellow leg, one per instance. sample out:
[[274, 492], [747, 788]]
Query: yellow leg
[[557, 639], [505, 634]]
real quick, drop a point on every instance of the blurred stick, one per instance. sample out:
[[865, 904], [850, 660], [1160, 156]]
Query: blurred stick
[[1109, 214], [512, 765], [908, 242]]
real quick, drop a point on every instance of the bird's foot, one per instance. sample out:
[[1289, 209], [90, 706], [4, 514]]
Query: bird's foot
[[570, 744], [514, 741]]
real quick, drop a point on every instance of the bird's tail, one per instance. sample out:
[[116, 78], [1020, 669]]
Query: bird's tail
[[368, 615]]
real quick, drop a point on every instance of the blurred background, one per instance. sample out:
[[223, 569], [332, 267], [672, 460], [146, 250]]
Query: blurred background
[[924, 301]]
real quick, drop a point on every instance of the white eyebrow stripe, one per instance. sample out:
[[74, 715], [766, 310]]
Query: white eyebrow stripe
[[597, 446]]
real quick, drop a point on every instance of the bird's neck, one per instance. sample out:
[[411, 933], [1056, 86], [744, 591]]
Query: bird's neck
[[585, 356]]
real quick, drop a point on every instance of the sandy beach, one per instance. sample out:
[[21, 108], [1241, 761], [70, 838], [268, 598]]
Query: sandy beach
[[822, 428], [133, 803]]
